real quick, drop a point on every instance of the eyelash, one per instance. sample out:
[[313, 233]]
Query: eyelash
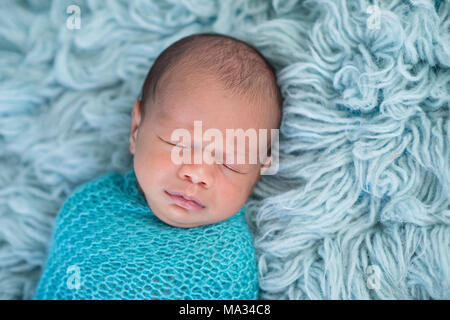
[[231, 168], [172, 144], [226, 166], [176, 145]]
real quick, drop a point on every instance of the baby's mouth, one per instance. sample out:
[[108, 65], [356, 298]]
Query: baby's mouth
[[185, 201]]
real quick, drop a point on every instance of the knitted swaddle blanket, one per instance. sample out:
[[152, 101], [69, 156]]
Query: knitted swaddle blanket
[[108, 244]]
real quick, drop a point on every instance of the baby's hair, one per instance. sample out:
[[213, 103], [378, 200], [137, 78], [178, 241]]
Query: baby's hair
[[239, 66]]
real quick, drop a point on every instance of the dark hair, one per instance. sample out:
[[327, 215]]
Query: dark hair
[[238, 65]]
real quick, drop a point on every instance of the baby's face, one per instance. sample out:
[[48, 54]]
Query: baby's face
[[222, 190]]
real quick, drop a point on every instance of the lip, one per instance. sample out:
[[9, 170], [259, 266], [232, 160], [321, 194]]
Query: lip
[[185, 201]]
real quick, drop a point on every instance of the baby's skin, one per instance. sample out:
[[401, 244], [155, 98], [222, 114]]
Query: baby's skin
[[219, 189], [170, 229]]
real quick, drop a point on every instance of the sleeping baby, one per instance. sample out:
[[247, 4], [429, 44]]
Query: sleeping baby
[[174, 226]]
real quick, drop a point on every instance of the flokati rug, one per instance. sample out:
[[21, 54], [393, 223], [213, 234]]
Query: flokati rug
[[360, 207]]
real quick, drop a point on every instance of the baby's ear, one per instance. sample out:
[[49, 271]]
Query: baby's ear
[[135, 121]]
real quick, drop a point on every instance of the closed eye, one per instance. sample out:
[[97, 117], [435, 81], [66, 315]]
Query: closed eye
[[172, 144], [181, 146], [232, 169]]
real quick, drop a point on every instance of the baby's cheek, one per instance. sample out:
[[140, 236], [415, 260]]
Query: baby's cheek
[[147, 168], [230, 199]]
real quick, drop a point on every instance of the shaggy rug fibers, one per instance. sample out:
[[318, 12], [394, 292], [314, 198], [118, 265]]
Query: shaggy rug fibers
[[360, 206]]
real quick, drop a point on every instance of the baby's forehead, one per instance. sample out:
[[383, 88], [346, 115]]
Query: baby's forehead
[[240, 67], [206, 124], [185, 88], [213, 109]]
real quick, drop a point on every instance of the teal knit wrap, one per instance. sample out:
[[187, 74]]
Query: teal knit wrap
[[108, 244]]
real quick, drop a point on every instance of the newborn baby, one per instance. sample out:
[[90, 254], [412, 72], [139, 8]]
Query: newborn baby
[[170, 230]]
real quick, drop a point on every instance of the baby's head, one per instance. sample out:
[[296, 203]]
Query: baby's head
[[225, 84]]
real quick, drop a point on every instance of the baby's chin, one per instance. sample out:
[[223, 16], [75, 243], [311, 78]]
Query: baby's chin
[[176, 219]]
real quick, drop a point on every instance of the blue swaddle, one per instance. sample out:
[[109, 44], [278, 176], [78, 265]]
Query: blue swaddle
[[108, 244]]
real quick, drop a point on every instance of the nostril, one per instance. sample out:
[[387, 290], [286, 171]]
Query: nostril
[[195, 179]]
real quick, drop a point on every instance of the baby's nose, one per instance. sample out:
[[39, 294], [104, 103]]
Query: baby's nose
[[196, 179]]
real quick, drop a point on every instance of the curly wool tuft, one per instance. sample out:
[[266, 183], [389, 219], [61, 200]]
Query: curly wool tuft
[[360, 206]]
